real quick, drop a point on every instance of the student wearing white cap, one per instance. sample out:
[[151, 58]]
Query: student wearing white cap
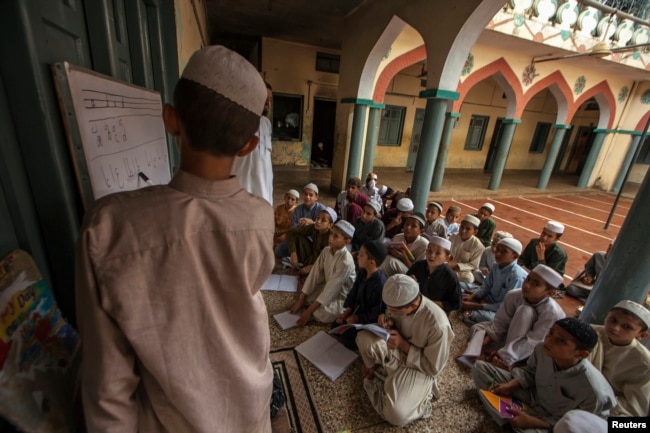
[[329, 280], [435, 225], [437, 280], [406, 248], [394, 219], [368, 227], [487, 258], [183, 295], [284, 216], [523, 319], [487, 225], [504, 276], [466, 250], [546, 250], [400, 374]]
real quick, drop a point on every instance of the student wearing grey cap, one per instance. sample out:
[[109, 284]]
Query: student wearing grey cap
[[368, 227], [546, 250], [487, 225], [175, 330]]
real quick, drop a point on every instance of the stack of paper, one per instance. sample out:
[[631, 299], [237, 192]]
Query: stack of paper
[[327, 354], [281, 283], [286, 320]]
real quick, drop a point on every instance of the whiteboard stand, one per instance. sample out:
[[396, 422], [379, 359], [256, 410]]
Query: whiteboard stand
[[114, 130]]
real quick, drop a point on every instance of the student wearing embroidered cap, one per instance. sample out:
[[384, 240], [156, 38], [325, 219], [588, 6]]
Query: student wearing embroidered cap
[[306, 242], [135, 363], [522, 320], [368, 227], [350, 203], [466, 250], [546, 250], [400, 374], [394, 219], [284, 216], [406, 248], [556, 379], [329, 280], [487, 258], [487, 225], [504, 276], [434, 225], [436, 279]]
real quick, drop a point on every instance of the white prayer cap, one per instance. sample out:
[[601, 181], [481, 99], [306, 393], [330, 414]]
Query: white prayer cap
[[472, 220], [555, 227], [405, 205], [443, 242], [549, 275], [400, 290], [332, 213], [374, 205], [346, 228], [436, 204], [419, 218], [511, 243], [500, 235], [229, 74], [311, 186], [488, 206], [383, 190], [637, 309], [294, 193]]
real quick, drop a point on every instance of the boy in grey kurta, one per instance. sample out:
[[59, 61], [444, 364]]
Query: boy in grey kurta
[[330, 280], [400, 374], [556, 379]]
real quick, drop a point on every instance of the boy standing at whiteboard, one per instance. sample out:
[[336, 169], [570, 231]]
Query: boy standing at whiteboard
[[175, 329]]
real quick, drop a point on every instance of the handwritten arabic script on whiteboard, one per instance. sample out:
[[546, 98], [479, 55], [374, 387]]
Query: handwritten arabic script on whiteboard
[[121, 131]]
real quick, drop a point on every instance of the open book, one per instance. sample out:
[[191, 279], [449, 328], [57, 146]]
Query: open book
[[372, 327], [500, 405], [473, 350], [281, 283], [327, 354], [402, 245]]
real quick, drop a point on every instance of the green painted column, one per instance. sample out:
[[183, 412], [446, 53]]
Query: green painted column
[[545, 175], [626, 164], [356, 140], [590, 163], [626, 273], [500, 158], [371, 139], [441, 161], [434, 119]]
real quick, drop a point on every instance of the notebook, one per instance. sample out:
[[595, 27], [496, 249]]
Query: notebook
[[372, 327], [281, 283], [473, 349], [327, 354], [500, 405], [286, 320]]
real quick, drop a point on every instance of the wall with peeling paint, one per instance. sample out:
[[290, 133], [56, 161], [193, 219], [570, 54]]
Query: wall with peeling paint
[[191, 28]]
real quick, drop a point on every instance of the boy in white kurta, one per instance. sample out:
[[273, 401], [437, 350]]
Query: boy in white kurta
[[466, 250], [400, 374], [329, 280]]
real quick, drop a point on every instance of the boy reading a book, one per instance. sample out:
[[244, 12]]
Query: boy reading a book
[[363, 303], [505, 275], [434, 222], [523, 319], [368, 227], [466, 250], [436, 280], [557, 378], [487, 225], [406, 248], [329, 280], [400, 374], [306, 242]]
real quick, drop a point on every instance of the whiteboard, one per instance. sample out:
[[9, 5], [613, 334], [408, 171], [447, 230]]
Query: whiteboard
[[115, 131]]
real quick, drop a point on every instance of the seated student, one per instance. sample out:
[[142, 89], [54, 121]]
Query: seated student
[[350, 203], [436, 280], [556, 379], [505, 275], [368, 227], [363, 303], [466, 250], [371, 191], [522, 320], [400, 374], [487, 258], [435, 225], [451, 220], [487, 225], [399, 260], [582, 284], [330, 279], [284, 216], [394, 219], [303, 214], [397, 196], [306, 242], [545, 250]]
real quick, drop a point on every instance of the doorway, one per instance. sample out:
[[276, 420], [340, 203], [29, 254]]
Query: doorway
[[415, 139], [324, 125], [581, 147], [494, 145]]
